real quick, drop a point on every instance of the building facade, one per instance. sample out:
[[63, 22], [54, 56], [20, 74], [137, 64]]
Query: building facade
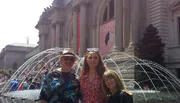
[[110, 25], [14, 55]]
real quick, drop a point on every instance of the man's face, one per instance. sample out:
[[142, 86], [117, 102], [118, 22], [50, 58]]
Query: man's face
[[67, 61]]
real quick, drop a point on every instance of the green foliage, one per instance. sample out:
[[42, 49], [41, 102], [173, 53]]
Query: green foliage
[[151, 46], [7, 71]]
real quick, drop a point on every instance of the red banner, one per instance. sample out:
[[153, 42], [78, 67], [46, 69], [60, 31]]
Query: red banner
[[107, 36], [78, 33]]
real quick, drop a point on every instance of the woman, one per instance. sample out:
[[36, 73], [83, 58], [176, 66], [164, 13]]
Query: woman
[[90, 78], [113, 88]]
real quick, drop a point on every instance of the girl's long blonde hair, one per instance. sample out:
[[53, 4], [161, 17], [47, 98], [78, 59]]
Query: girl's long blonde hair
[[115, 76]]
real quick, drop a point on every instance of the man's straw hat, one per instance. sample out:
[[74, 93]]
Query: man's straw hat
[[68, 52]]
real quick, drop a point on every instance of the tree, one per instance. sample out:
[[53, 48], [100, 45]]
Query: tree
[[151, 46]]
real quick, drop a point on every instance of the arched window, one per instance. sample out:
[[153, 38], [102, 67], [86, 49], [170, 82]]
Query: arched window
[[109, 11]]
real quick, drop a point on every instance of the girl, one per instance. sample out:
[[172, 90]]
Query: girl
[[113, 88], [90, 78]]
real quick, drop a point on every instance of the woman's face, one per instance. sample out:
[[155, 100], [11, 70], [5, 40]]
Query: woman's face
[[92, 59], [110, 83]]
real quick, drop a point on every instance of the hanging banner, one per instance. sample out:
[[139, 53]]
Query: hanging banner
[[79, 33], [107, 37]]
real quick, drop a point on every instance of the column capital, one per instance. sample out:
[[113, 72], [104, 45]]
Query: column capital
[[75, 9], [58, 21], [52, 25], [85, 2]]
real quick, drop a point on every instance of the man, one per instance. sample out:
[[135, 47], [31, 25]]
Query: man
[[61, 86]]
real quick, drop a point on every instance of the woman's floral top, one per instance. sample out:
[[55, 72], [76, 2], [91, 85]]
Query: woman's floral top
[[60, 87], [91, 92]]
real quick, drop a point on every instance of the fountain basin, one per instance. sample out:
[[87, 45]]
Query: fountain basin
[[139, 96]]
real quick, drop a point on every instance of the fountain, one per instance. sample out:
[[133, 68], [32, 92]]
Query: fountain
[[148, 81]]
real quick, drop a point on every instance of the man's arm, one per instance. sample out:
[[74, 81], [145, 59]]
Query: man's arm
[[45, 90]]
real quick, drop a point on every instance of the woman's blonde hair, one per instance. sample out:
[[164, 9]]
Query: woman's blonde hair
[[115, 76]]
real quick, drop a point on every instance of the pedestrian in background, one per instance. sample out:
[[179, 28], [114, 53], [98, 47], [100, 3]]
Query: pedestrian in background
[[14, 84]]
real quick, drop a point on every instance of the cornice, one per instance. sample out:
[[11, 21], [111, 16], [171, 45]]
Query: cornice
[[80, 2]]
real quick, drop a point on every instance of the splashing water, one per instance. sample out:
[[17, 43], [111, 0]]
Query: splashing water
[[148, 81]]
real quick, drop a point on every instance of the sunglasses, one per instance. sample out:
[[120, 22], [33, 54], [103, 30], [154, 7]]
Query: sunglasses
[[92, 49], [72, 59]]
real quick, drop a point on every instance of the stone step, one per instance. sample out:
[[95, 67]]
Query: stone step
[[126, 74]]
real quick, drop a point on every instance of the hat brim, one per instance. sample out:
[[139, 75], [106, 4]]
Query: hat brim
[[68, 55]]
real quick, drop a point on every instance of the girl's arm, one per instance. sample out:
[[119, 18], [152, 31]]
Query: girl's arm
[[127, 98]]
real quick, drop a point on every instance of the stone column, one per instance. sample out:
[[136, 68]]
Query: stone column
[[135, 20], [43, 42], [53, 36], [108, 11], [61, 36], [118, 46], [126, 22], [83, 24], [40, 42], [58, 34], [94, 36], [75, 30], [48, 40]]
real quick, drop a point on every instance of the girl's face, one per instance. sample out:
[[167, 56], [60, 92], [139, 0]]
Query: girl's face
[[92, 59], [110, 83]]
